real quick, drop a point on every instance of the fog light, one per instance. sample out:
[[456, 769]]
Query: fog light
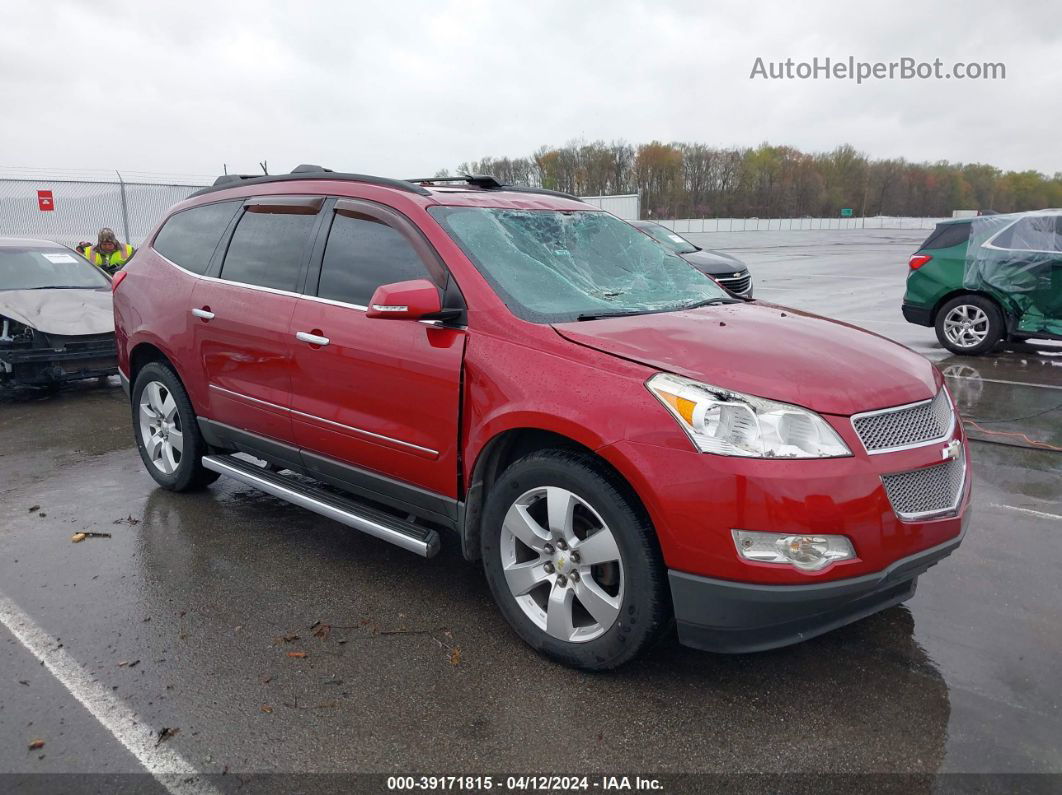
[[806, 552]]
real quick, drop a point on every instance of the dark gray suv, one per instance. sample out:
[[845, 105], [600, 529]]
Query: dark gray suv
[[729, 271]]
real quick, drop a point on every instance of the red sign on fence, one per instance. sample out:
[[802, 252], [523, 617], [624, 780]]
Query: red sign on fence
[[45, 202]]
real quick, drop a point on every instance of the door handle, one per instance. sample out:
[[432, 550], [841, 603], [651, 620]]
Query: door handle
[[205, 314], [312, 339]]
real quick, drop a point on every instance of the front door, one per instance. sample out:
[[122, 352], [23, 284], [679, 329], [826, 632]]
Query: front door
[[377, 396]]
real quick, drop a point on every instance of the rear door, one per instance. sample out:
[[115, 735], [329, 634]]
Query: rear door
[[378, 404], [1027, 257], [242, 315], [1051, 297]]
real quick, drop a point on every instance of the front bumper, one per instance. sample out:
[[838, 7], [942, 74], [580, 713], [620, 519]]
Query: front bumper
[[733, 617], [919, 315], [39, 366]]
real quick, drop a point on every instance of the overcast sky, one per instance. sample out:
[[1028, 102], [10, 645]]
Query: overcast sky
[[404, 88]]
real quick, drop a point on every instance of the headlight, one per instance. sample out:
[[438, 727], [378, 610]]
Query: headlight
[[810, 552], [730, 423]]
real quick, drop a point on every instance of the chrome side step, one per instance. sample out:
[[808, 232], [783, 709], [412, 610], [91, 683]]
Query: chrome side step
[[422, 540]]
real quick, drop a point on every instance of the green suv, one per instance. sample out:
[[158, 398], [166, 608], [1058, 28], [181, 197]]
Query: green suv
[[982, 280]]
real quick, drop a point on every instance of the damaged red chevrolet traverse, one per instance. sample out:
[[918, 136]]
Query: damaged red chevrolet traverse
[[623, 444]]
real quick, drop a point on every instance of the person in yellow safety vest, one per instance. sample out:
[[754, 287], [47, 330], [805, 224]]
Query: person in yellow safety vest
[[108, 254]]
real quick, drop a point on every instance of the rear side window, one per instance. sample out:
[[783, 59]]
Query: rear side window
[[268, 249], [1035, 233], [189, 237], [362, 253], [948, 235]]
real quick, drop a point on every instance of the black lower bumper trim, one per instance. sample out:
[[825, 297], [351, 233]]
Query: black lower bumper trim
[[734, 618], [917, 314]]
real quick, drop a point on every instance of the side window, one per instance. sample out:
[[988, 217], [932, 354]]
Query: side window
[[1035, 233], [189, 237], [948, 235], [267, 249], [362, 253]]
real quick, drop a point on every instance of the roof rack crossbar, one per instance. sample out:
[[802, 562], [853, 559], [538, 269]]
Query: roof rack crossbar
[[485, 181], [309, 168], [232, 179]]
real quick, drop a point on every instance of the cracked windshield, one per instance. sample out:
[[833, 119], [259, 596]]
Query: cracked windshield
[[552, 266]]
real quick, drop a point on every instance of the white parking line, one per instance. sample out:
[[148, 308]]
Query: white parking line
[[168, 767], [1041, 514]]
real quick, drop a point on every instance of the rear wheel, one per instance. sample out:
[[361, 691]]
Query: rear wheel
[[572, 561], [167, 435], [970, 325]]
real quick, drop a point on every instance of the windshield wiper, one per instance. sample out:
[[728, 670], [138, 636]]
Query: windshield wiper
[[709, 302], [602, 315]]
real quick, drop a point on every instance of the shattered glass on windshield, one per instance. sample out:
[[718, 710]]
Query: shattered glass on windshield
[[1019, 256], [552, 266]]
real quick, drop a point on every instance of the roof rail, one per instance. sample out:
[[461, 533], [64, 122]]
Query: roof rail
[[305, 172], [487, 182], [310, 171]]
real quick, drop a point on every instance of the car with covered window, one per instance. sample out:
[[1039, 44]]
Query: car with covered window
[[624, 445], [983, 280]]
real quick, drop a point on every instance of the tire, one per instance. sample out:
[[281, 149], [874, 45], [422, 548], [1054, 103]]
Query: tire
[[166, 431], [605, 613], [970, 325]]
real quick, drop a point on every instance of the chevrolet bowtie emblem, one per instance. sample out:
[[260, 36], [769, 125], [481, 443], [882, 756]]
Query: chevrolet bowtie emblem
[[952, 450]]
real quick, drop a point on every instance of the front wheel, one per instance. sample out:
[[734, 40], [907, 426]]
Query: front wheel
[[970, 325], [572, 561], [167, 435]]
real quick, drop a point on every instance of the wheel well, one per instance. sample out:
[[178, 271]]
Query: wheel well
[[143, 354], [957, 293], [497, 455]]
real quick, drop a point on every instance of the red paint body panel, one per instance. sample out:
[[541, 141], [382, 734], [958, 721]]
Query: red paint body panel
[[382, 395], [451, 391], [244, 355], [771, 352], [152, 307]]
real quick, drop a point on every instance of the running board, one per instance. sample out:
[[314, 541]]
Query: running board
[[422, 540]]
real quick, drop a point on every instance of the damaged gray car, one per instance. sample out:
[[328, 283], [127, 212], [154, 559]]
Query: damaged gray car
[[56, 318]]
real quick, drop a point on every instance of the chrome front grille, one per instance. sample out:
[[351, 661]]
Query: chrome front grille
[[906, 426], [736, 284], [923, 493]]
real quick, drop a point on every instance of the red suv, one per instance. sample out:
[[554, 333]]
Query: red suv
[[622, 442]]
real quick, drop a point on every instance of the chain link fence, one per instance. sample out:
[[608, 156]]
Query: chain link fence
[[80, 208]]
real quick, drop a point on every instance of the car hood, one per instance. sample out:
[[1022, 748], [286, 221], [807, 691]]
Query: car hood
[[62, 312], [768, 351], [714, 263]]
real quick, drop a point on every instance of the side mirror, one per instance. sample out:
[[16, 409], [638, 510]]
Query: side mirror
[[411, 300]]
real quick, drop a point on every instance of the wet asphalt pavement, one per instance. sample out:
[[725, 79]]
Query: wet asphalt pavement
[[188, 614]]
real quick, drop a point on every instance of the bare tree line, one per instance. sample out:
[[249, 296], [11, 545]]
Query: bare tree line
[[694, 180]]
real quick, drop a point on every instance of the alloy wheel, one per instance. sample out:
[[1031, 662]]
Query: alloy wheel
[[562, 564], [160, 427], [966, 326]]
